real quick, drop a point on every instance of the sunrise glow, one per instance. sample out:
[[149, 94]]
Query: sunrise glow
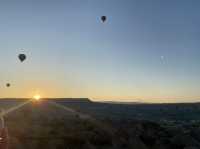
[[37, 97]]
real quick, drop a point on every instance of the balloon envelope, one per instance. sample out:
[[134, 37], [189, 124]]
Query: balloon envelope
[[103, 18], [8, 84], [22, 57]]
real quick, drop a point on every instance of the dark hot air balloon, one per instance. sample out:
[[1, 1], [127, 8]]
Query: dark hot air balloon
[[8, 85], [22, 57], [103, 18]]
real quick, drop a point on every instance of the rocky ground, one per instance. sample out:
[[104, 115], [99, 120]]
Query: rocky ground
[[43, 126]]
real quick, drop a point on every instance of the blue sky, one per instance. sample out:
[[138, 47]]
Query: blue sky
[[148, 50]]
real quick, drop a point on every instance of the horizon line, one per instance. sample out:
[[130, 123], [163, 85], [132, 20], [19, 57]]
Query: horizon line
[[98, 100]]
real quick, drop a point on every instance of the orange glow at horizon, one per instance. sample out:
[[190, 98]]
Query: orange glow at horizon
[[37, 97]]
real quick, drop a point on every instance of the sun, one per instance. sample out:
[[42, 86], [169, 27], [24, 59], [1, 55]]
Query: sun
[[37, 97]]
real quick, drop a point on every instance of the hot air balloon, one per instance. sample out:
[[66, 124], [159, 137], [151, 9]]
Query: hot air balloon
[[103, 18], [22, 57], [8, 85]]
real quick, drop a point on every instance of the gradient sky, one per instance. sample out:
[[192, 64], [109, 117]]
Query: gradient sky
[[148, 50]]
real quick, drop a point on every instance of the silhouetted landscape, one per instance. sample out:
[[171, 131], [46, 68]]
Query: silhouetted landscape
[[92, 125], [136, 62]]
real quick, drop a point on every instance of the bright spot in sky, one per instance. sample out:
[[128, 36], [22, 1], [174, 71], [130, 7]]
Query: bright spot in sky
[[37, 97], [162, 59]]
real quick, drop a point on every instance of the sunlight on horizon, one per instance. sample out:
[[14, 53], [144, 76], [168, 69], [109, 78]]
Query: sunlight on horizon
[[37, 97]]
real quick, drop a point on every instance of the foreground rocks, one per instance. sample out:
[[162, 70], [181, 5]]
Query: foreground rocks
[[44, 127], [150, 135]]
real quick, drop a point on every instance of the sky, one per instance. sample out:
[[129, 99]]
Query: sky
[[146, 51]]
